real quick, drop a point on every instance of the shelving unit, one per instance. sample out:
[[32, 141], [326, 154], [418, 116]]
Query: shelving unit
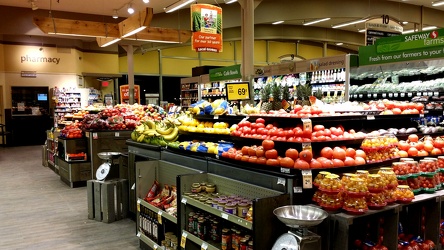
[[264, 202], [74, 173], [165, 173], [189, 91], [51, 149]]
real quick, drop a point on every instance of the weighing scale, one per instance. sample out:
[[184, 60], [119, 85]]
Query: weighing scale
[[299, 218], [105, 167]]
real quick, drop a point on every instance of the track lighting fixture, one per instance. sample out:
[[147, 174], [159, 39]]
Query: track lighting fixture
[[130, 8], [115, 15], [177, 5]]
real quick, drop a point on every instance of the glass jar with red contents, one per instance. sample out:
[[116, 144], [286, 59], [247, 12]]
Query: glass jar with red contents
[[400, 168], [427, 182], [402, 180], [413, 167], [414, 184], [427, 166], [363, 174], [389, 176], [346, 178], [355, 205], [441, 162], [376, 201], [317, 196], [331, 202]]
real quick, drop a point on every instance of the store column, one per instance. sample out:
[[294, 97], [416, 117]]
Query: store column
[[130, 59], [247, 18]]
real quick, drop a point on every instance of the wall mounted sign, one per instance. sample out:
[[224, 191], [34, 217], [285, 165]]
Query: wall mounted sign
[[30, 74], [39, 59], [414, 46], [206, 27]]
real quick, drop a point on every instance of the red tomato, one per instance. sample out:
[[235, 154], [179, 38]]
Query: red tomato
[[245, 150], [260, 120], [267, 144], [306, 155], [292, 153], [271, 154], [272, 162], [301, 164], [286, 162], [261, 160], [318, 128]]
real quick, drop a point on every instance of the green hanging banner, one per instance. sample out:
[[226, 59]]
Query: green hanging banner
[[225, 73], [415, 46]]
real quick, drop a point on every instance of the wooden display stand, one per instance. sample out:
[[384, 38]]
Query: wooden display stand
[[107, 200]]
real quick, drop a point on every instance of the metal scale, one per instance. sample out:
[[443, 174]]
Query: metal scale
[[299, 219], [105, 168]]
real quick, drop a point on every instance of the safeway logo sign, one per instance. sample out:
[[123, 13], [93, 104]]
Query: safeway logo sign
[[433, 34]]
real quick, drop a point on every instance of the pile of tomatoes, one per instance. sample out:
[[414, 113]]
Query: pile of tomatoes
[[71, 131], [266, 154], [300, 133], [414, 146]]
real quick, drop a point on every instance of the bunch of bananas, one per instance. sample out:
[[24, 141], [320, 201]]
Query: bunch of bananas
[[156, 133]]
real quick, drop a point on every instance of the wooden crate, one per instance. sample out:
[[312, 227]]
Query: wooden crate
[[107, 200]]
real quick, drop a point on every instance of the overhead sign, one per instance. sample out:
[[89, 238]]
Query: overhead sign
[[381, 27], [415, 46], [206, 27], [125, 96], [238, 91], [225, 73]]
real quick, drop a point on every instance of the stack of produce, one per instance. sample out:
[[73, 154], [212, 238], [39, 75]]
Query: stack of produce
[[428, 177], [72, 131], [165, 199], [414, 146], [218, 107], [380, 148], [407, 172], [156, 133], [391, 183]]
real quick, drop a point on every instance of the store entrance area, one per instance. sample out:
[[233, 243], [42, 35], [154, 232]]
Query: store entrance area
[[39, 211]]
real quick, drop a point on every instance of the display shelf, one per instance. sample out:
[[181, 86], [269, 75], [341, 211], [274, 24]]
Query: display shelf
[[203, 244], [348, 218], [229, 217], [148, 241], [157, 210], [220, 118]]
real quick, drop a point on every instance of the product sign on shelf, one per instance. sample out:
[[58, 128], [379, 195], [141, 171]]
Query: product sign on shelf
[[414, 46], [206, 27], [238, 91], [225, 73], [381, 27], [124, 94]]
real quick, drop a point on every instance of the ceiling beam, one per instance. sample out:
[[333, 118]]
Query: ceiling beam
[[50, 25]]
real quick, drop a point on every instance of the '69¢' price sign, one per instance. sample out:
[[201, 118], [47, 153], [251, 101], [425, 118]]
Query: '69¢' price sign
[[238, 91]]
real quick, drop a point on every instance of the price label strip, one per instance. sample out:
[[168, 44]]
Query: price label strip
[[183, 240], [184, 200], [116, 134]]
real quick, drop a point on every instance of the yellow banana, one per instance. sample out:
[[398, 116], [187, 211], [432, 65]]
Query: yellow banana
[[172, 135], [150, 132], [150, 124], [140, 138], [140, 128], [173, 140], [164, 132]]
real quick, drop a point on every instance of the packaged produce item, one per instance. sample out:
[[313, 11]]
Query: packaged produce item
[[331, 183], [346, 178], [375, 183], [356, 187], [355, 205], [331, 202], [389, 176], [319, 177], [427, 182], [404, 194], [427, 165], [376, 200]]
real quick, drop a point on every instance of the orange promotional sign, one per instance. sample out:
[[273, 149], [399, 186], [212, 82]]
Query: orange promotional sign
[[124, 94], [206, 25]]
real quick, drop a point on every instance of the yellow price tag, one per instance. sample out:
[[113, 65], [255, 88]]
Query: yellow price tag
[[183, 240], [159, 216], [238, 91], [138, 206]]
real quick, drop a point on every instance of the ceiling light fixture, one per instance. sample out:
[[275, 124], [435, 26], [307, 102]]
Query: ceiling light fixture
[[317, 21], [115, 15], [405, 22], [277, 22], [177, 5], [130, 8], [107, 41], [349, 23], [230, 1], [408, 31], [429, 28], [438, 3], [146, 1], [162, 35], [339, 44], [33, 5], [361, 30]]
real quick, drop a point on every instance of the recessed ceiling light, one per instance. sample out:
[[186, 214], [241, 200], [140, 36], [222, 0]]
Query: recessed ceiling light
[[339, 44], [277, 22], [405, 22], [146, 1]]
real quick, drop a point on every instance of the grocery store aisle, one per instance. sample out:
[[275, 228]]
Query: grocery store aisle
[[39, 211]]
